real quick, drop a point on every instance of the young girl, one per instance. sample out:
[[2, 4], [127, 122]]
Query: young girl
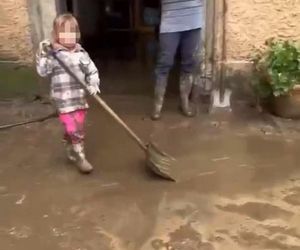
[[68, 95]]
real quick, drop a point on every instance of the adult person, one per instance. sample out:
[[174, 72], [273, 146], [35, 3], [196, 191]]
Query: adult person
[[180, 28]]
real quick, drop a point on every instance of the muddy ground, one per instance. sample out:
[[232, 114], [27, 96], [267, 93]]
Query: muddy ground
[[238, 182]]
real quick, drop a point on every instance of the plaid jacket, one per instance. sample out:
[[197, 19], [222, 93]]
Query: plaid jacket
[[67, 94]]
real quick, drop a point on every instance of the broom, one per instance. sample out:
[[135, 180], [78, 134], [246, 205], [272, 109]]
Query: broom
[[156, 160]]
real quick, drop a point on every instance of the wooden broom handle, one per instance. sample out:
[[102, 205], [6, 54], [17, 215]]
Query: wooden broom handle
[[120, 121]]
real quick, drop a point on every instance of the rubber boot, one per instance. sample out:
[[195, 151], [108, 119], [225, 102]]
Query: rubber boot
[[81, 162], [195, 95], [70, 152], [159, 95], [186, 84]]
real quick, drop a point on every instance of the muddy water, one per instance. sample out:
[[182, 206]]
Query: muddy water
[[236, 189]]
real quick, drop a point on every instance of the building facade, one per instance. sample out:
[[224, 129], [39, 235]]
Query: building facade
[[248, 24]]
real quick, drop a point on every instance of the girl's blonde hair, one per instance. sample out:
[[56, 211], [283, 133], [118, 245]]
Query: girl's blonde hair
[[59, 23]]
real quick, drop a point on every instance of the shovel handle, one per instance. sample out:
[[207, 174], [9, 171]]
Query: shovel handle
[[101, 102]]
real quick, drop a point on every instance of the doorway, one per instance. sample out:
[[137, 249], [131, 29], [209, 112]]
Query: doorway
[[121, 36]]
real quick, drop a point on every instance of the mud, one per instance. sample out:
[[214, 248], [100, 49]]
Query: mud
[[237, 188]]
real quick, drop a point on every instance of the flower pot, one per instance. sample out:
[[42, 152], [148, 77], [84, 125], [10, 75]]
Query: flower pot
[[287, 106]]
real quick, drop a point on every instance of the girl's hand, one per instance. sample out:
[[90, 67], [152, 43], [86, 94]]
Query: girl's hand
[[43, 47], [93, 90]]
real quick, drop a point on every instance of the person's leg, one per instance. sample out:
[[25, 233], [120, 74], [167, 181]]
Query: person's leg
[[78, 142], [168, 43], [68, 125], [190, 45], [74, 129]]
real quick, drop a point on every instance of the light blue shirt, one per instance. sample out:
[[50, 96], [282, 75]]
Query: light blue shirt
[[181, 15]]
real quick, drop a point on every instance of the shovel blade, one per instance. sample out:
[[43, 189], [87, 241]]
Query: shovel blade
[[218, 102]]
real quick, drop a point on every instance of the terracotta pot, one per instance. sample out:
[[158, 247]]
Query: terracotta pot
[[287, 106]]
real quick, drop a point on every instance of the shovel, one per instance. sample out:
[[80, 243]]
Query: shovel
[[221, 98], [156, 160]]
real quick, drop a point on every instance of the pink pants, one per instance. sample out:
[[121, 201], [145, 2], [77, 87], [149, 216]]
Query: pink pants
[[73, 123]]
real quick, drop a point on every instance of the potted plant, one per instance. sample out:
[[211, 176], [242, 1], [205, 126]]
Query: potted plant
[[277, 77]]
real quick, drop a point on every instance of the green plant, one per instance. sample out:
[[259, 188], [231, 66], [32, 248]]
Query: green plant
[[276, 68]]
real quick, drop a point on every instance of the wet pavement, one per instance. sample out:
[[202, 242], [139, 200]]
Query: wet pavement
[[238, 184]]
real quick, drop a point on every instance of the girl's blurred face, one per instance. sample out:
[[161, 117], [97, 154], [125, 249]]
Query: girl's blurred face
[[67, 35]]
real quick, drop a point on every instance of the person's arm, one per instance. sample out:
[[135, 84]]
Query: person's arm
[[91, 74], [43, 61]]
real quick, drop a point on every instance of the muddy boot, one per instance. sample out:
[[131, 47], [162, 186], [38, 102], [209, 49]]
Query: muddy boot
[[70, 152], [186, 84], [159, 95], [195, 96], [81, 162]]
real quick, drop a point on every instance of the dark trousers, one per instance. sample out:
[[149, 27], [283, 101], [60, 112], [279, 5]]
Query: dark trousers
[[188, 42]]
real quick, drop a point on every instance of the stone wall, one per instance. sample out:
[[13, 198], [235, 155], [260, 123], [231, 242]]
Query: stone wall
[[251, 22], [15, 38]]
